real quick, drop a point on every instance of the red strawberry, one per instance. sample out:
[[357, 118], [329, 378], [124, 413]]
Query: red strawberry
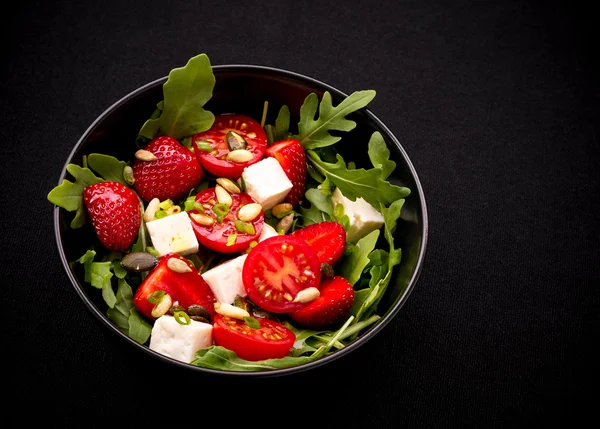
[[172, 174], [327, 238], [334, 304], [184, 288], [115, 213], [292, 158]]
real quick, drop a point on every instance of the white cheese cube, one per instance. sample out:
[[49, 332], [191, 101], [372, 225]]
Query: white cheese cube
[[173, 233], [267, 231], [266, 182], [225, 280], [363, 217], [178, 341]]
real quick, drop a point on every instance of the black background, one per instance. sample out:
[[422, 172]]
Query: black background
[[496, 103]]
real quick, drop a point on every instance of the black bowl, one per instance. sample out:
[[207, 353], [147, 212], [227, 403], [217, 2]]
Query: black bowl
[[243, 89]]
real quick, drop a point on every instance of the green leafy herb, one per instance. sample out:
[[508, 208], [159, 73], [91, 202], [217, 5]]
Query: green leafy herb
[[353, 184], [379, 154], [314, 133], [354, 264], [125, 316], [217, 357], [282, 124], [108, 167], [185, 93]]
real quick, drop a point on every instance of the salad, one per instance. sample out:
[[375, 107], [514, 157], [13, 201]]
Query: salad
[[230, 243]]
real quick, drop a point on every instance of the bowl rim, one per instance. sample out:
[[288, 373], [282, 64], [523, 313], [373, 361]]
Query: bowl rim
[[370, 333]]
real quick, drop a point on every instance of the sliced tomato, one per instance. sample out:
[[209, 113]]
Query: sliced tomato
[[276, 269], [215, 159], [327, 238], [272, 340], [226, 234]]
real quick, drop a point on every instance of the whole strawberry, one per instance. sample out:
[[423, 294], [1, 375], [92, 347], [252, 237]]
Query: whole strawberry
[[115, 213], [334, 304], [165, 169], [292, 159]]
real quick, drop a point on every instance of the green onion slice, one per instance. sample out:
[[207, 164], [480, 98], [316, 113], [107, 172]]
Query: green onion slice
[[203, 145], [182, 318], [156, 296], [221, 211]]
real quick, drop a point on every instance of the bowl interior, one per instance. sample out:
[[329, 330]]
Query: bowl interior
[[244, 89]]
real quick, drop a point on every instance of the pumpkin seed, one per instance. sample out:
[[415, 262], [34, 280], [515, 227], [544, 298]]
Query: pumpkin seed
[[249, 212], [151, 209], [196, 310], [162, 306], [202, 219], [235, 141], [128, 175], [145, 155], [307, 295], [229, 185], [179, 266], [240, 155], [223, 197], [138, 262]]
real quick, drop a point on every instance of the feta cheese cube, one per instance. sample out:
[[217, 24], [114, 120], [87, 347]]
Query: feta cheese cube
[[173, 233], [362, 215], [178, 341], [266, 182], [225, 280], [267, 231]]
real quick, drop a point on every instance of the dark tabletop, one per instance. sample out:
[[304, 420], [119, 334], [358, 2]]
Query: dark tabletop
[[496, 104]]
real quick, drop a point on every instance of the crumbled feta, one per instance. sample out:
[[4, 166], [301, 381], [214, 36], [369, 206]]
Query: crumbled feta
[[178, 341], [267, 231], [363, 217], [266, 182], [173, 233], [225, 280]]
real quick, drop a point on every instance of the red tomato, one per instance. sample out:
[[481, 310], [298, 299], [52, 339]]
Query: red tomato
[[215, 161], [272, 340], [276, 269], [327, 238], [224, 236]]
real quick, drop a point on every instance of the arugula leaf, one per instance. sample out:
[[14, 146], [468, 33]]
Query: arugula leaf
[[108, 167], [282, 124], [353, 184], [185, 92], [379, 154], [353, 265], [69, 195], [217, 357], [125, 316], [315, 133]]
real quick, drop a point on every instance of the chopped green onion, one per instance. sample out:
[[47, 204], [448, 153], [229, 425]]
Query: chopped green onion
[[221, 211], [160, 214], [252, 322], [152, 251], [190, 203], [242, 184], [182, 318], [156, 296], [203, 145], [245, 227], [231, 239], [165, 204]]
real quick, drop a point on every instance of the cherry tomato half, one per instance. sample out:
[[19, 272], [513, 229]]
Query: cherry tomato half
[[227, 233], [276, 269], [272, 340], [215, 160]]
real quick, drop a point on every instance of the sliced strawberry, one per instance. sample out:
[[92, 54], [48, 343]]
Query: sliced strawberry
[[334, 304], [115, 213], [184, 288], [327, 238], [292, 158], [173, 173]]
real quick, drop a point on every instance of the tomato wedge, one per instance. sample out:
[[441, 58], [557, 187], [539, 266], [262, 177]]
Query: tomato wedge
[[214, 158], [272, 340], [327, 238], [219, 228], [276, 269]]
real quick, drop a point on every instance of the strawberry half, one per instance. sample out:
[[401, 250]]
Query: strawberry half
[[172, 174], [185, 288], [292, 159], [334, 304], [327, 238], [115, 213]]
